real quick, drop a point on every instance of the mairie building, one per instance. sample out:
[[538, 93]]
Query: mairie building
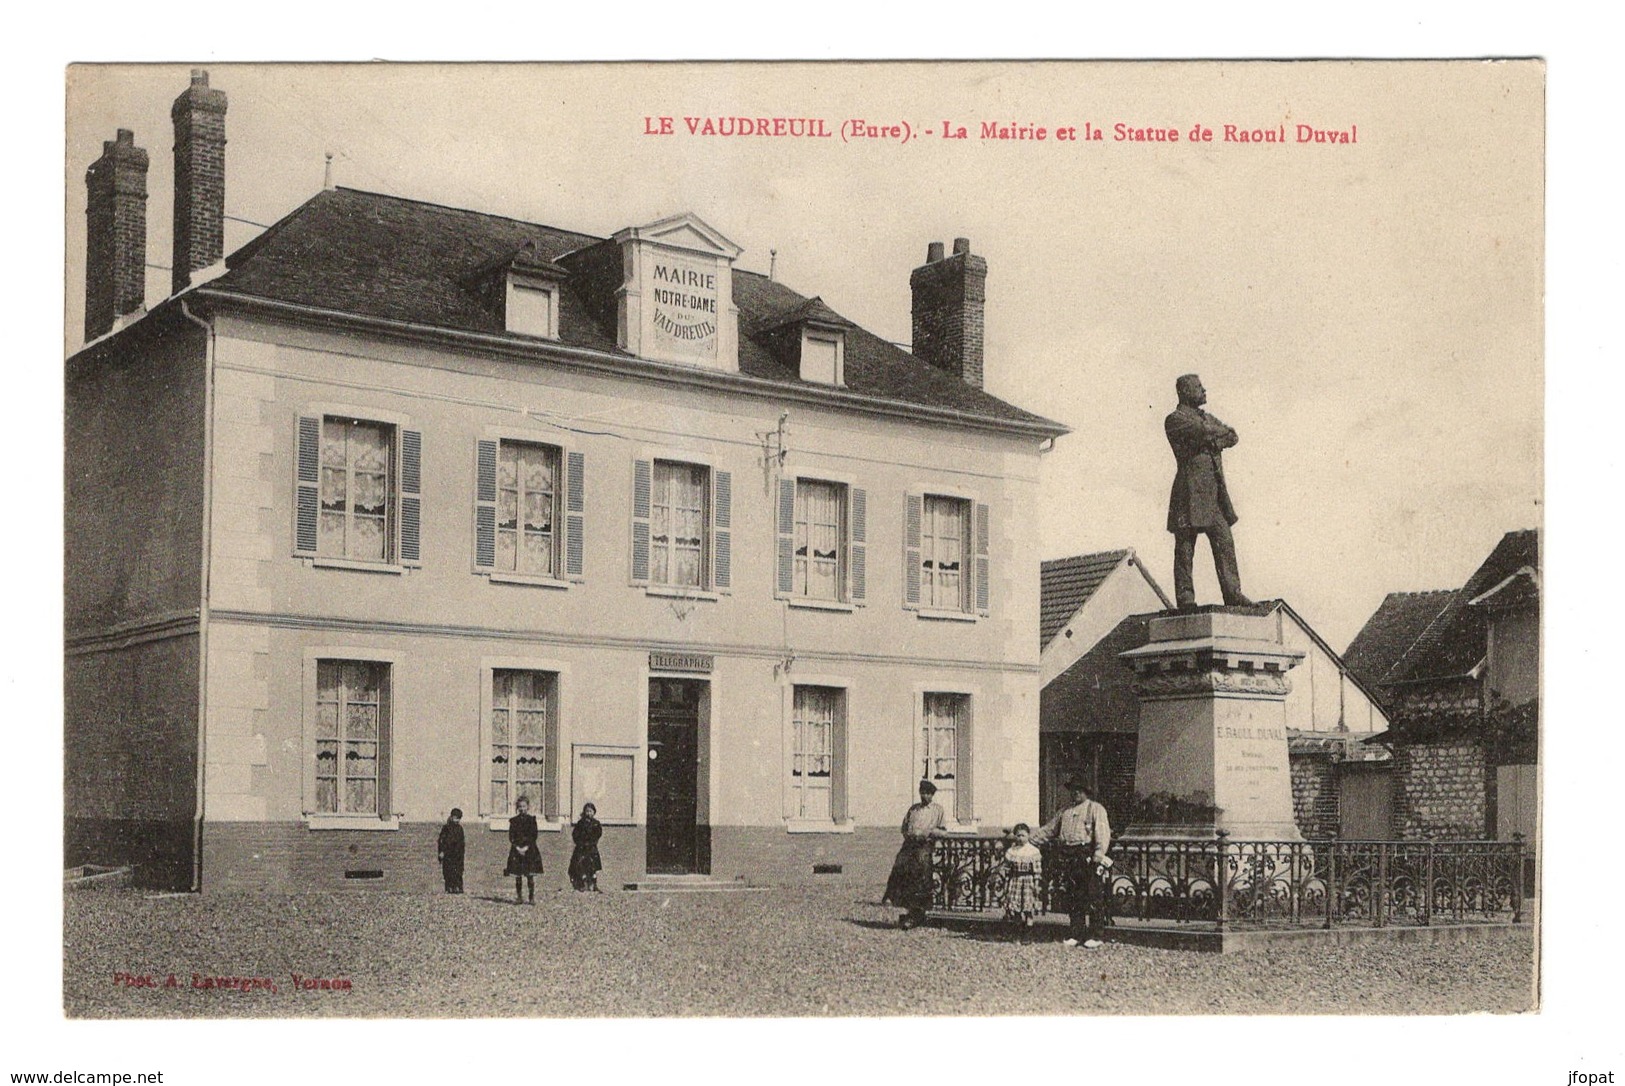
[[402, 507]]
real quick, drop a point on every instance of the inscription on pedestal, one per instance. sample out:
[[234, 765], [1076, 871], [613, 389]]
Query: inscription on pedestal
[[1212, 692]]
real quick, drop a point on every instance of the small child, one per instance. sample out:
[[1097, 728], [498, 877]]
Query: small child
[[450, 849], [585, 862], [1023, 874]]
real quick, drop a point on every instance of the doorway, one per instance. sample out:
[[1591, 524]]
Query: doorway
[[677, 843]]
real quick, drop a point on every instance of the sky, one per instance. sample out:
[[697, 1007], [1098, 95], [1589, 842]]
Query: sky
[[1388, 419], [1366, 315]]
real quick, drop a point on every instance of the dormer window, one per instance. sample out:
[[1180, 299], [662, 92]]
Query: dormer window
[[823, 356], [532, 306], [811, 338], [523, 289]]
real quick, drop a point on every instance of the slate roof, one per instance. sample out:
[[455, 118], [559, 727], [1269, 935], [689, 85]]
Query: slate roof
[[1390, 632], [1065, 584], [385, 257]]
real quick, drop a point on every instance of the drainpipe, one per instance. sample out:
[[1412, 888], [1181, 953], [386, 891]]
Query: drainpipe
[[203, 594]]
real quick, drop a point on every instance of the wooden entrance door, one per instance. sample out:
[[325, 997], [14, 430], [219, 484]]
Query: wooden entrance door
[[1366, 804], [673, 837]]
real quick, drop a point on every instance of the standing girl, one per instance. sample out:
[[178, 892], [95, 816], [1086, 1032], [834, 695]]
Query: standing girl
[[524, 858], [1023, 874], [585, 862]]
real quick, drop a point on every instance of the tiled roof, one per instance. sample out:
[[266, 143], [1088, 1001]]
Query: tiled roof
[[1520, 590], [1453, 644], [384, 257], [1065, 584], [1391, 630]]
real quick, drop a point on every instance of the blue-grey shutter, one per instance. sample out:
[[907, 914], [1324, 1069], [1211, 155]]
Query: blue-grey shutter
[[307, 499], [785, 583], [411, 497], [722, 532], [575, 515], [858, 561], [642, 471], [485, 504], [913, 515], [981, 559]]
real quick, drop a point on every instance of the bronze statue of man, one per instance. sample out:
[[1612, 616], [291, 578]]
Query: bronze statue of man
[[1199, 503]]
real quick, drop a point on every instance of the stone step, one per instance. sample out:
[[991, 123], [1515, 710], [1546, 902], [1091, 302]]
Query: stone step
[[688, 884]]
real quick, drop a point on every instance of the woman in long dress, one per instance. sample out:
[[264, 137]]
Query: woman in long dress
[[910, 882]]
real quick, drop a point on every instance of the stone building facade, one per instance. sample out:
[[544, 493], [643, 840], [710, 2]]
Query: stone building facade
[[406, 507]]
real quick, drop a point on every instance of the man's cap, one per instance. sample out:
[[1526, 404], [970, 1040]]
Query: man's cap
[[1078, 780], [928, 788]]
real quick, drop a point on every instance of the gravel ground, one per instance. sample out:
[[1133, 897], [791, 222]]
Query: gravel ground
[[784, 952]]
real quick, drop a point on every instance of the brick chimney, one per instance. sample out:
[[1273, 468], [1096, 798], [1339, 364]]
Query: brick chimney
[[950, 295], [115, 234], [200, 178]]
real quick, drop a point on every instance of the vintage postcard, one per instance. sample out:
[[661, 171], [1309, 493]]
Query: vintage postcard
[[803, 539]]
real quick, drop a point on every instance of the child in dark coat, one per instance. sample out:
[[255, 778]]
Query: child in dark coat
[[450, 849], [524, 858], [585, 862]]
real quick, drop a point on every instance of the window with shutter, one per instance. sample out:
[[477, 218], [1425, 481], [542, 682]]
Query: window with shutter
[[358, 491], [529, 509]]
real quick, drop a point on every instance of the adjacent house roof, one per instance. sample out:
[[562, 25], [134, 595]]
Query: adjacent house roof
[[1429, 647], [1066, 584], [367, 255], [1453, 644], [1390, 632]]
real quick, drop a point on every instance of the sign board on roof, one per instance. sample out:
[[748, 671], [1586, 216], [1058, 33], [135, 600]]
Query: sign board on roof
[[677, 298]]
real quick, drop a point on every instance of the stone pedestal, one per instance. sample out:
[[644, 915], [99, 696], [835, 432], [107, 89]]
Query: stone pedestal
[[1212, 686]]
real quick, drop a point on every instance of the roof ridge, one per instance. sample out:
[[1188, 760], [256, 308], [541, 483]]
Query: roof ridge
[[1118, 552], [465, 211]]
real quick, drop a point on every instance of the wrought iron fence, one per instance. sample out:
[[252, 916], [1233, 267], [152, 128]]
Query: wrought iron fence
[[1227, 883]]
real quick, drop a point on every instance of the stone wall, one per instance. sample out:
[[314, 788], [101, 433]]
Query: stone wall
[[1315, 796], [1439, 789]]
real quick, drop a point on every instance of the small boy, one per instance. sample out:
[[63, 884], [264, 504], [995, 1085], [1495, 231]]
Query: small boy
[[451, 851]]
